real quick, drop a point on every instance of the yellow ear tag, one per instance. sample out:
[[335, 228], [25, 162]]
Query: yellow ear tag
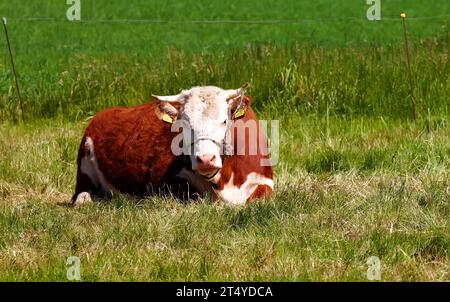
[[239, 113], [167, 118]]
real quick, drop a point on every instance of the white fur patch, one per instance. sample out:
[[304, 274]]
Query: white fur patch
[[89, 166], [238, 196]]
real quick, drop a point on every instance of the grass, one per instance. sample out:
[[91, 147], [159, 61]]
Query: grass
[[345, 192], [304, 79], [356, 177], [75, 69]]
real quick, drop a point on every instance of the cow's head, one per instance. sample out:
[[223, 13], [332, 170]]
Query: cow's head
[[207, 111]]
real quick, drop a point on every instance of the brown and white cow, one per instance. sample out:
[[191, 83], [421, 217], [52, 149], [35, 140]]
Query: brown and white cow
[[131, 149]]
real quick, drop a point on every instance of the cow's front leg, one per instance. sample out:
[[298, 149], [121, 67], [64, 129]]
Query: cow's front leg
[[261, 192]]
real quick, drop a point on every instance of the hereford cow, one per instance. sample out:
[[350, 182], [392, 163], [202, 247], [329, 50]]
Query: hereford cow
[[136, 150]]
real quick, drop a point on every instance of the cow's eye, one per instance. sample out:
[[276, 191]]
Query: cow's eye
[[224, 122]]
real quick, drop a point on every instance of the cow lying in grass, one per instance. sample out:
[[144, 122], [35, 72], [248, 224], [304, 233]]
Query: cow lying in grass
[[133, 150]]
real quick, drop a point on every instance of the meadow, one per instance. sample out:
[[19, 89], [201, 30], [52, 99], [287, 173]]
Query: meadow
[[356, 177]]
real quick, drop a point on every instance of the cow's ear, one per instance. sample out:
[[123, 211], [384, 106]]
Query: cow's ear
[[167, 112], [238, 106]]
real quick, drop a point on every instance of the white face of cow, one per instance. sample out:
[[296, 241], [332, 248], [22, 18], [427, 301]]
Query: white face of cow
[[206, 110]]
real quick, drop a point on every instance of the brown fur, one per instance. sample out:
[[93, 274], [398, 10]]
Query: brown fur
[[132, 148], [261, 192], [240, 166]]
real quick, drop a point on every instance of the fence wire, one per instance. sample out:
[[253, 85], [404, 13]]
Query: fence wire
[[227, 21]]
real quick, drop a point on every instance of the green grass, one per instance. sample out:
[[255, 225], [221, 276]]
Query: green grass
[[356, 177], [351, 66], [345, 192], [305, 79], [328, 22]]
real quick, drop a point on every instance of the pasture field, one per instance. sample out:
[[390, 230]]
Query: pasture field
[[356, 176], [346, 190], [72, 68]]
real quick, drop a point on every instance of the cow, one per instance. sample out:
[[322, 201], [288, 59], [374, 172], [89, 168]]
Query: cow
[[131, 150]]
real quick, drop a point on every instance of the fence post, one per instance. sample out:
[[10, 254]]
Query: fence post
[[4, 21], [408, 64]]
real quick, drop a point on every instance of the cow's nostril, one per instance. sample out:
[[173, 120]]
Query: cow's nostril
[[206, 159]]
